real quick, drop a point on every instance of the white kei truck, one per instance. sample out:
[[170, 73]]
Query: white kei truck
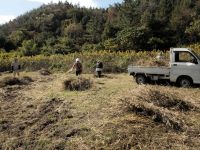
[[184, 69]]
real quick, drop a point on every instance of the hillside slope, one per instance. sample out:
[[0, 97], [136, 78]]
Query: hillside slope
[[133, 25], [42, 115]]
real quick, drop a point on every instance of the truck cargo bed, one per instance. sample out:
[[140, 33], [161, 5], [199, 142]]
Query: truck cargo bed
[[149, 70]]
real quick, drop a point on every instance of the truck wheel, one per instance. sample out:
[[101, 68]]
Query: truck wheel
[[141, 79], [184, 82]]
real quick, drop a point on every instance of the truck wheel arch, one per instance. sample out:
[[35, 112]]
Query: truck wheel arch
[[184, 78], [132, 73]]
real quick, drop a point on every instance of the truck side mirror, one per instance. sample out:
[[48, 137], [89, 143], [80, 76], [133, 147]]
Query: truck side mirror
[[194, 60]]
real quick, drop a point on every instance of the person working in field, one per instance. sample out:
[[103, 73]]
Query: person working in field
[[78, 67], [15, 66], [99, 68]]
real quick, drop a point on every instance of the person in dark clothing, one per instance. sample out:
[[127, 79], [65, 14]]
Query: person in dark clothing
[[78, 67], [99, 68], [15, 67]]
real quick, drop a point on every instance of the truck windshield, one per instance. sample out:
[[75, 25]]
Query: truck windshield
[[196, 54]]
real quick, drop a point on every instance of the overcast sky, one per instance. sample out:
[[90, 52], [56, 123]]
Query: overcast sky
[[9, 9]]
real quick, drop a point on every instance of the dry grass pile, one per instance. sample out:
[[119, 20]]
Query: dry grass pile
[[156, 115], [165, 98], [10, 81], [45, 72], [26, 80], [160, 105], [152, 63], [77, 84]]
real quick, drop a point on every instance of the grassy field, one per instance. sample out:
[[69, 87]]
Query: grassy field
[[115, 113]]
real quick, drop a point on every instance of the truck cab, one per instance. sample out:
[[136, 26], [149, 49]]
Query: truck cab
[[183, 69], [184, 66]]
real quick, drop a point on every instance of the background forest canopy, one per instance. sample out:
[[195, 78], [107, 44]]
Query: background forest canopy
[[132, 25]]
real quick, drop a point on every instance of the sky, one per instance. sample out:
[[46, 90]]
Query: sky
[[10, 9]]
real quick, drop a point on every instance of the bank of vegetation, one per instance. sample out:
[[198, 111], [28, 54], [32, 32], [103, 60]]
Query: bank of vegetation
[[114, 62]]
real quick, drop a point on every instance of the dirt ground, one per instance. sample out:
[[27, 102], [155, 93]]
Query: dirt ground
[[43, 115]]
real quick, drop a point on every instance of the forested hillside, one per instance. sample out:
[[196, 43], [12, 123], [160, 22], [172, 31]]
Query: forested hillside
[[133, 25]]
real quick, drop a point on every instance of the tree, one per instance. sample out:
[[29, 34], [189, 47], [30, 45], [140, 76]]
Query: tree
[[63, 45], [29, 48], [95, 26], [181, 17], [111, 44], [74, 31], [109, 31], [2, 41], [155, 42], [9, 46], [133, 38], [17, 37], [193, 31]]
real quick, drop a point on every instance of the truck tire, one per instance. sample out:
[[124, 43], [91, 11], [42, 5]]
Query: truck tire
[[141, 79], [184, 82]]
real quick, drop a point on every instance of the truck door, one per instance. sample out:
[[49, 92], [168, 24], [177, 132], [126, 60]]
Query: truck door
[[187, 64]]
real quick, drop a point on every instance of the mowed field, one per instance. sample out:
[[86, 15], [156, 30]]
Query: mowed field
[[115, 113]]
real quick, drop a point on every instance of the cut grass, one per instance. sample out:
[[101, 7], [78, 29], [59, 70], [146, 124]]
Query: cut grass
[[162, 97], [45, 116], [77, 84], [10, 81]]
